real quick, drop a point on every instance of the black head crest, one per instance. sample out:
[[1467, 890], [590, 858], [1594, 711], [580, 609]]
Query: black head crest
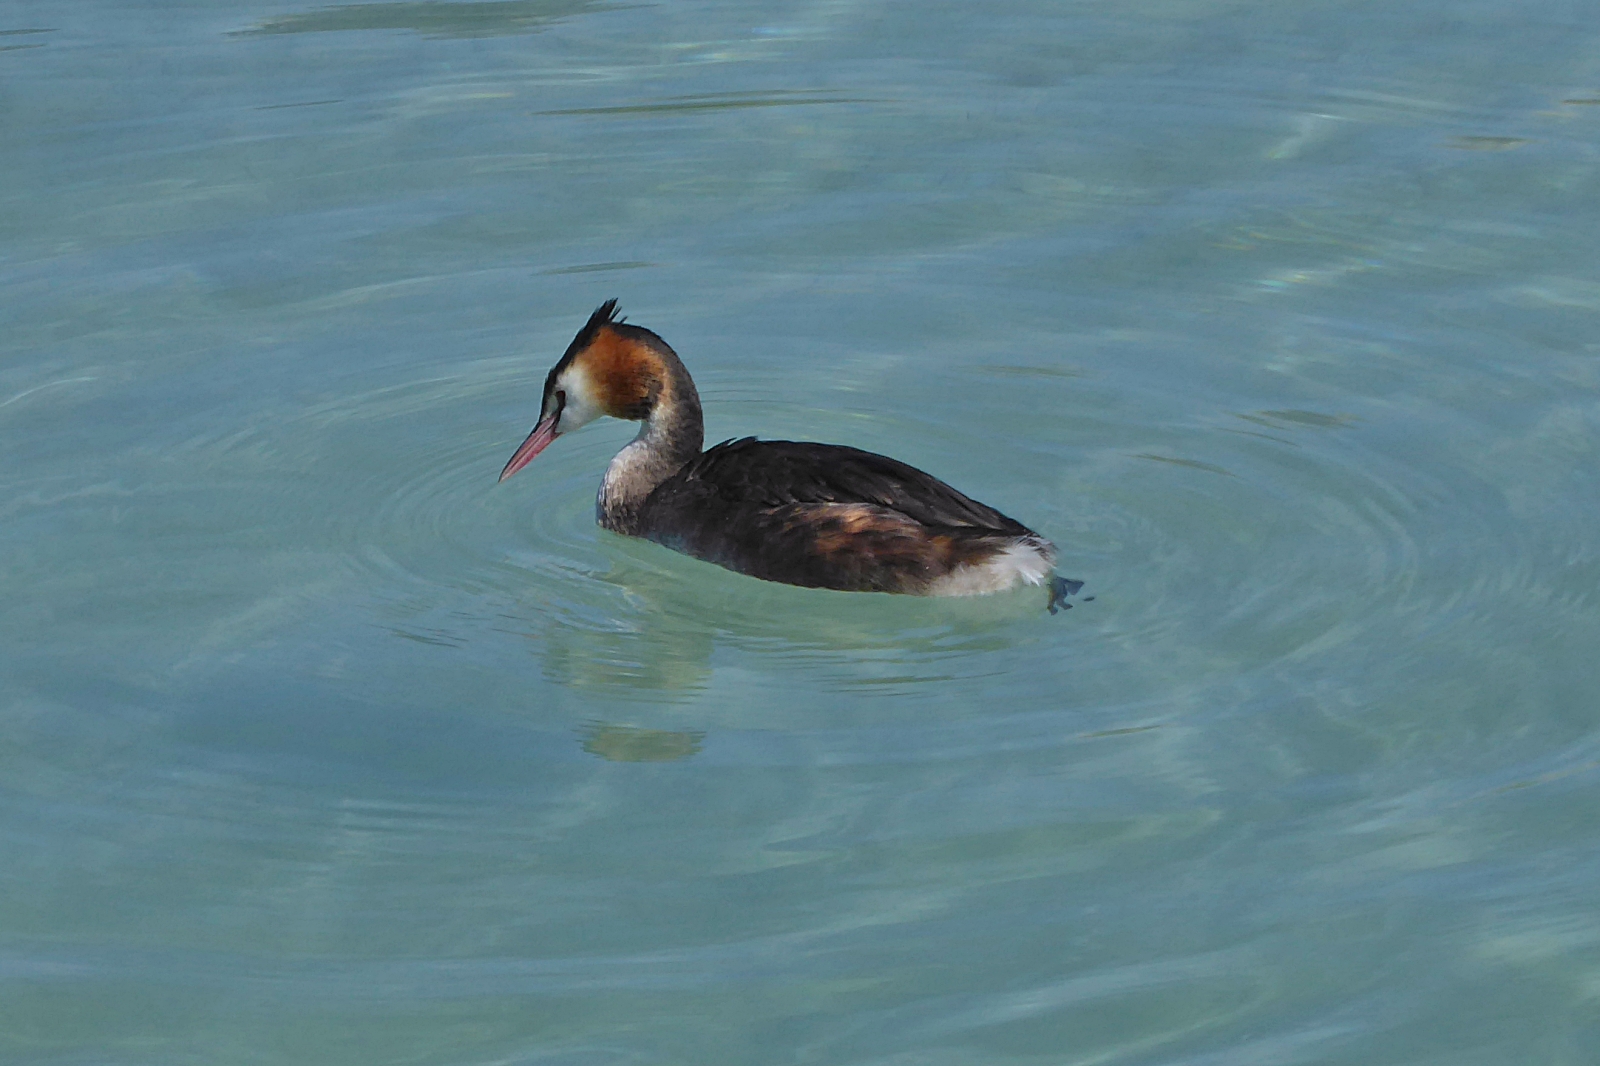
[[606, 312], [604, 315]]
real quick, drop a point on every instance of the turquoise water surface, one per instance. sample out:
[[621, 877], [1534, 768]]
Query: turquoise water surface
[[1282, 320]]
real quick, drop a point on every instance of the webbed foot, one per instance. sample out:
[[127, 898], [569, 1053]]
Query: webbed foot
[[1061, 588]]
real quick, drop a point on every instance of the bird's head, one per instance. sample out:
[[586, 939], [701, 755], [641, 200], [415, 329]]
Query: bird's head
[[610, 368]]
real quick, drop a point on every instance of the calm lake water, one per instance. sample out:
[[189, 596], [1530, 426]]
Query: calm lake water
[[1282, 319]]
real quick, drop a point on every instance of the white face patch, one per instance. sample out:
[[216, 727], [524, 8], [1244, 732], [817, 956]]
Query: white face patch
[[581, 406]]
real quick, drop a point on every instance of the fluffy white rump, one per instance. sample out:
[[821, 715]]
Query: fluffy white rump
[[1025, 561]]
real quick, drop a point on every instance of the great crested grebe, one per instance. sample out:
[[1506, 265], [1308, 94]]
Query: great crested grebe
[[818, 515]]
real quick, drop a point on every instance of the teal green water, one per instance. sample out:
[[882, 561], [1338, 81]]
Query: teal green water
[[1281, 319]]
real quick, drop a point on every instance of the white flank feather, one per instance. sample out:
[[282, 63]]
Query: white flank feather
[[1027, 560]]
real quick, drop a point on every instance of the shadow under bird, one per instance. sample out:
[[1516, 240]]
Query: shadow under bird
[[816, 515]]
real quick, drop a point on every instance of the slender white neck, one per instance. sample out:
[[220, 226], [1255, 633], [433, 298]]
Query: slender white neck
[[669, 438]]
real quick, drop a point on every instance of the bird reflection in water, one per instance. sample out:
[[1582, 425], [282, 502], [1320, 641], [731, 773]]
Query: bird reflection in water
[[661, 656], [626, 743]]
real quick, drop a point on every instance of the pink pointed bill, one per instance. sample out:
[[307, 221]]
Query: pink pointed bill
[[537, 441]]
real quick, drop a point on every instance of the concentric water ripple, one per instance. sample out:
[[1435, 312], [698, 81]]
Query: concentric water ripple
[[318, 744], [1211, 543]]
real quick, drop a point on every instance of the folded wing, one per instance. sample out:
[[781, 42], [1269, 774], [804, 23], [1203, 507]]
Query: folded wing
[[824, 515]]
